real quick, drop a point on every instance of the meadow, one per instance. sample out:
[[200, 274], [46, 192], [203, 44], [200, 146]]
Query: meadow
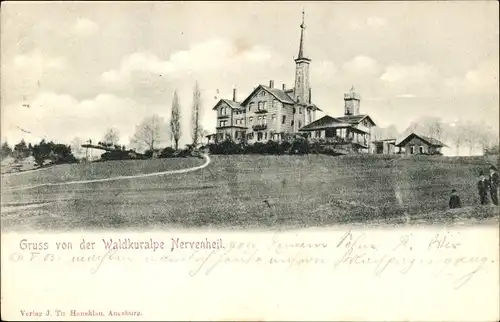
[[247, 191]]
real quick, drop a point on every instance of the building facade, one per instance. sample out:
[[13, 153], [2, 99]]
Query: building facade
[[419, 144], [268, 113], [353, 128]]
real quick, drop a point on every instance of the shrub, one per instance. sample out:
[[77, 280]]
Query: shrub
[[149, 153], [168, 152], [300, 146], [272, 147], [226, 147], [5, 150], [56, 153], [21, 150]]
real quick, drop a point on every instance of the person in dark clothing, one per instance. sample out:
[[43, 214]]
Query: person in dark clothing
[[483, 186], [494, 179], [454, 200]]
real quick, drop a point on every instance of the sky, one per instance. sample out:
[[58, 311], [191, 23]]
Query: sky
[[85, 67]]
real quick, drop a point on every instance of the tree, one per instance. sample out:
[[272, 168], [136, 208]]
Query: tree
[[5, 150], [57, 153], [471, 134], [201, 134], [76, 147], [195, 115], [486, 138], [111, 137], [175, 121], [21, 150], [457, 136], [150, 132]]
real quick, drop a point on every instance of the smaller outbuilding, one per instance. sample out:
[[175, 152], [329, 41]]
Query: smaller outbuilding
[[420, 144], [387, 146]]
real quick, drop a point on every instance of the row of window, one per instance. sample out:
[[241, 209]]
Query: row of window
[[260, 120], [261, 106]]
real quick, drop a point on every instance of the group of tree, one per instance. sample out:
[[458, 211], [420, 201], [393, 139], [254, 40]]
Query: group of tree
[[20, 151], [42, 152], [152, 131]]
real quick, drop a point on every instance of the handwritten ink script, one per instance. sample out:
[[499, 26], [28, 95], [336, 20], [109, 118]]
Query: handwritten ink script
[[440, 255]]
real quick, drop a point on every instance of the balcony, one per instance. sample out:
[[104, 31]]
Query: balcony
[[222, 116], [261, 111], [259, 127]]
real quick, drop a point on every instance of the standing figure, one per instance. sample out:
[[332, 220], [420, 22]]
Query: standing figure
[[454, 200], [483, 186], [494, 179]]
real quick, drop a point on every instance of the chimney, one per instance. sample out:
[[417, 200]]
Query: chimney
[[234, 94], [271, 83], [284, 86]]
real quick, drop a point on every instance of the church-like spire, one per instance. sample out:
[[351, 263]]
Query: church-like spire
[[302, 89], [302, 30]]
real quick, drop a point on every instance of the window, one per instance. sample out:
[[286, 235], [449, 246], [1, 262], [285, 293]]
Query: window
[[259, 136], [300, 124], [223, 123], [318, 134], [273, 117], [300, 110], [421, 148], [250, 120], [275, 103], [251, 106], [294, 110], [260, 120], [264, 120], [262, 93], [412, 150], [283, 120], [261, 106], [291, 123], [265, 135]]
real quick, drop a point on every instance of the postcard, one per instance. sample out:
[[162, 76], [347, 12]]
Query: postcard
[[250, 161]]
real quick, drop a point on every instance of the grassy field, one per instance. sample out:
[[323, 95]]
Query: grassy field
[[301, 191]]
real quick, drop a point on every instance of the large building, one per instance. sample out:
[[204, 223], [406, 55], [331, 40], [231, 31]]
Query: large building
[[270, 113]]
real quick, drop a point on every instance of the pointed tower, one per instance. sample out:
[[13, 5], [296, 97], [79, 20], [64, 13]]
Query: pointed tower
[[351, 100], [302, 88]]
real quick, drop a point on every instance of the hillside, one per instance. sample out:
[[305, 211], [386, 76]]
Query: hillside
[[246, 191]]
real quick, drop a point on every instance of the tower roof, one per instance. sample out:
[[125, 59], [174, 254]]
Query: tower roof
[[352, 94], [302, 35]]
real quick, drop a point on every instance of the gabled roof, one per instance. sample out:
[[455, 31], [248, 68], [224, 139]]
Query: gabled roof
[[356, 119], [232, 104], [430, 141], [324, 122], [277, 93]]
